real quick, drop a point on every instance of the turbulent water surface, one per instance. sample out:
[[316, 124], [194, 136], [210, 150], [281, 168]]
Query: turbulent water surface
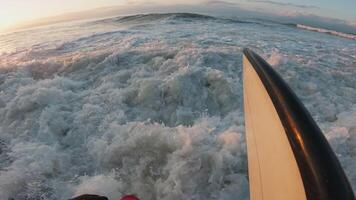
[[152, 104]]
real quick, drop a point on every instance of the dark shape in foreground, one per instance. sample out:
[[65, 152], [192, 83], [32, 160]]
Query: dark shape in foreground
[[97, 197], [89, 197]]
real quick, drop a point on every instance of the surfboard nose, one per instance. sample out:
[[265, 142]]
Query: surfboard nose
[[288, 155]]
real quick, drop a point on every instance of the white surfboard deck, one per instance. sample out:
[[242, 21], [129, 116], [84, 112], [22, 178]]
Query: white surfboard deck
[[273, 170]]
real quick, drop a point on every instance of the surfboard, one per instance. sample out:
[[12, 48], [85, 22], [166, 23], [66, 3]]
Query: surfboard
[[288, 156]]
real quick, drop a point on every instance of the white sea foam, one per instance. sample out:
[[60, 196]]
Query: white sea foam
[[154, 110], [276, 58]]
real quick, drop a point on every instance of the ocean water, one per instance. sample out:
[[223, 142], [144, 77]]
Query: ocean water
[[152, 104]]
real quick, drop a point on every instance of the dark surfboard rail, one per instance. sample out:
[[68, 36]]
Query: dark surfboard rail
[[322, 174]]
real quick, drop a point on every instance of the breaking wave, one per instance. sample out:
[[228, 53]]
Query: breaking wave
[[154, 110], [331, 32]]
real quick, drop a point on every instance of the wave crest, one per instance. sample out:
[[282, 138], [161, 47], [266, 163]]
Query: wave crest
[[331, 32], [162, 16]]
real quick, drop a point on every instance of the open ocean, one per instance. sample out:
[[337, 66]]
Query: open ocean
[[152, 104]]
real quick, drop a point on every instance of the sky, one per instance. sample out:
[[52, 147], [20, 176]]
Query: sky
[[13, 12]]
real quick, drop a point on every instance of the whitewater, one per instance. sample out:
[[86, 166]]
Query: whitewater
[[152, 104]]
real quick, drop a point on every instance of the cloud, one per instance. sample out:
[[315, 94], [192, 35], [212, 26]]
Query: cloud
[[284, 4], [218, 3], [139, 2]]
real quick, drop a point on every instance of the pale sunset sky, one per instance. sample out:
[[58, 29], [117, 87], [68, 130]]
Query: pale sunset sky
[[13, 12]]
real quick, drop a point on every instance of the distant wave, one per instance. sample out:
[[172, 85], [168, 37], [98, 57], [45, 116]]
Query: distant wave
[[158, 16], [190, 17], [331, 32]]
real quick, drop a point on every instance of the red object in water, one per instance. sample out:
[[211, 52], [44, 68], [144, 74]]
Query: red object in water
[[130, 197]]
